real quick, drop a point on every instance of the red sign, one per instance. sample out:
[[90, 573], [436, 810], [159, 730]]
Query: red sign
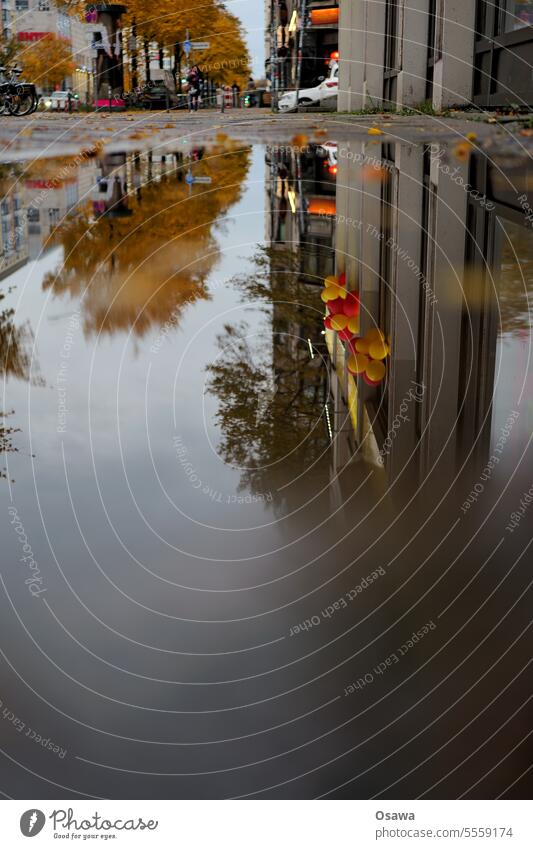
[[37, 36], [32, 36]]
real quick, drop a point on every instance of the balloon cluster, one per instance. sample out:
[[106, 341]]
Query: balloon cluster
[[368, 352], [343, 308], [367, 356]]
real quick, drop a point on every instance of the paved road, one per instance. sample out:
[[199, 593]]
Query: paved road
[[43, 134]]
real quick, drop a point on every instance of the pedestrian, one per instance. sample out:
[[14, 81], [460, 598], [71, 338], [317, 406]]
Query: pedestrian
[[236, 94], [69, 100], [195, 80], [250, 88]]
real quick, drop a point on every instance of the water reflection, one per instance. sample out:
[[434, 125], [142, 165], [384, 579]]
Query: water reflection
[[208, 514], [440, 257], [271, 386], [140, 249]]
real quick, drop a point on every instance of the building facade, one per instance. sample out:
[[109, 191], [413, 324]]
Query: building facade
[[32, 20], [301, 38], [404, 54]]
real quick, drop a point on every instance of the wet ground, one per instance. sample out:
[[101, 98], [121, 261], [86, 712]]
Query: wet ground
[[230, 567]]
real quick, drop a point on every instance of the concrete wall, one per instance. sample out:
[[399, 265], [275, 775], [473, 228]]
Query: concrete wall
[[453, 72], [362, 51]]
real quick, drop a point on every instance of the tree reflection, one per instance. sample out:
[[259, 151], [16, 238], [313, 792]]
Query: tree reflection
[[6, 440], [16, 345], [272, 386], [145, 252]]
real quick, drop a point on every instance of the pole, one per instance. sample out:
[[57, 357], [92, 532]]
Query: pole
[[273, 57], [134, 74], [300, 50]]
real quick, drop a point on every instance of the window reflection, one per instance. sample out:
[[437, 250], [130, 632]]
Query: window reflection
[[517, 14]]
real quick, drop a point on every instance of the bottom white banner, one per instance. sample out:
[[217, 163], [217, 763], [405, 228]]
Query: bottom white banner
[[263, 824]]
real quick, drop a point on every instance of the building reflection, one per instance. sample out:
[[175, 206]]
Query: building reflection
[[275, 418], [14, 248], [435, 243], [301, 204]]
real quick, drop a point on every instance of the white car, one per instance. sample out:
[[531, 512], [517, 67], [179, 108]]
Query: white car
[[317, 96], [59, 100]]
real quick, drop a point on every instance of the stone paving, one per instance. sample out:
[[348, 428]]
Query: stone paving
[[51, 135]]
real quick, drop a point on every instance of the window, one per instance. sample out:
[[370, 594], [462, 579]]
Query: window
[[63, 25], [71, 195], [516, 14], [22, 5], [43, 6]]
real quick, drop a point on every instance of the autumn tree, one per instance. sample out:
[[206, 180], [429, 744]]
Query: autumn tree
[[48, 61], [227, 59], [166, 23], [9, 50]]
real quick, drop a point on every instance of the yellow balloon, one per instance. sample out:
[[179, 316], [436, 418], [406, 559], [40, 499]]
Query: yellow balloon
[[331, 281], [375, 370], [357, 363], [377, 350], [361, 346], [329, 294], [374, 335], [353, 324], [339, 321]]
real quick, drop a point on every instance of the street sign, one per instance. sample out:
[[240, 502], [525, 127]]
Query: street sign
[[187, 47], [190, 180], [200, 45]]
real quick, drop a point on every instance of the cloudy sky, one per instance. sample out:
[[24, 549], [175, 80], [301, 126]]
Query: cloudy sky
[[251, 13]]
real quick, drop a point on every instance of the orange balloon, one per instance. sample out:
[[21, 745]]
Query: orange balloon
[[375, 370], [377, 350], [339, 321], [361, 346], [357, 363]]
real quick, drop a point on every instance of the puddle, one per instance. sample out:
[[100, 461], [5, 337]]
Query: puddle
[[231, 566]]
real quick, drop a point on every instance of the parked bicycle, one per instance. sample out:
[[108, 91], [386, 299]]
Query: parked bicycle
[[16, 97]]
